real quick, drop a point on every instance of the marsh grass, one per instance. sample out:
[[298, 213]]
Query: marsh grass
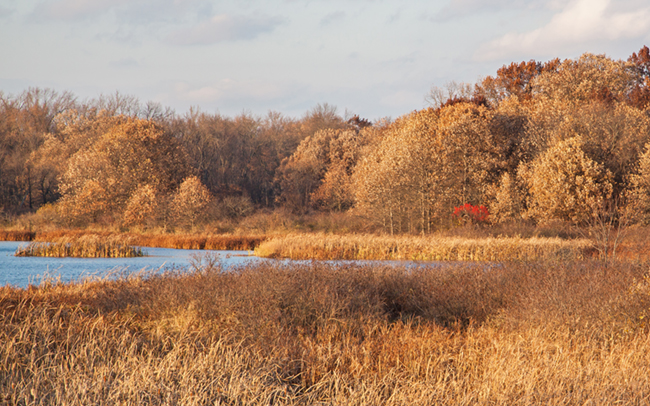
[[17, 235], [178, 241], [87, 246], [370, 247], [518, 334]]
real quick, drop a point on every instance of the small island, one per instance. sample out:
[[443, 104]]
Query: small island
[[89, 246]]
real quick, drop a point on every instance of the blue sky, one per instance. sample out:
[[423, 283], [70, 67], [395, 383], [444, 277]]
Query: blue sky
[[370, 57]]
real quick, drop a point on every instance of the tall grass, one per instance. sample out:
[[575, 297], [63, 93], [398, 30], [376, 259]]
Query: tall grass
[[87, 246], [367, 247], [180, 241], [17, 235], [519, 334]]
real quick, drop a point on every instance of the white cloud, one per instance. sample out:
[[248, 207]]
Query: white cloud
[[580, 22], [127, 11], [6, 12], [74, 9], [332, 17], [124, 63], [224, 27], [462, 8], [227, 90]]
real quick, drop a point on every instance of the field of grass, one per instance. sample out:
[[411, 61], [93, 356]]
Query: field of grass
[[569, 333], [430, 248]]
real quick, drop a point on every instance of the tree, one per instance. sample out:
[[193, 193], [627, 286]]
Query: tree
[[587, 78], [131, 154], [427, 163], [25, 119], [142, 207], [639, 96], [565, 184], [190, 202], [507, 204]]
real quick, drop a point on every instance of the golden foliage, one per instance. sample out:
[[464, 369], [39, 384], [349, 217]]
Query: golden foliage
[[428, 162], [142, 207], [565, 184], [130, 155], [190, 202]]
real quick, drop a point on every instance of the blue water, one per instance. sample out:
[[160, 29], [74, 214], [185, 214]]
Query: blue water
[[22, 271]]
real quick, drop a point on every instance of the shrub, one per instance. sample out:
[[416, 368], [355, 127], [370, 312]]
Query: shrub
[[471, 214]]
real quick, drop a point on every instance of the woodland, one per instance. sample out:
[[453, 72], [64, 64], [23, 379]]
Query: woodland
[[558, 141]]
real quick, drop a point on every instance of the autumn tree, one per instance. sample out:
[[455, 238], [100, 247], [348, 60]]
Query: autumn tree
[[190, 203], [639, 95], [142, 208], [25, 119], [300, 175], [335, 191], [565, 184], [131, 154], [640, 186], [514, 80], [586, 78], [427, 163]]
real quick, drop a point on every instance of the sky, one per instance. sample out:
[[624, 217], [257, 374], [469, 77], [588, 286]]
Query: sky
[[374, 58]]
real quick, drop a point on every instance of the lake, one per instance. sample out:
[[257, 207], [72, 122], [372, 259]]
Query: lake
[[20, 271]]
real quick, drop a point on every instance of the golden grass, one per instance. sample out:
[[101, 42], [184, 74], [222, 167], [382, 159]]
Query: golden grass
[[519, 334], [16, 235], [371, 247], [180, 241], [86, 246]]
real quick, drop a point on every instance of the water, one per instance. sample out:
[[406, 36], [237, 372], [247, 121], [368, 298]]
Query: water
[[20, 271]]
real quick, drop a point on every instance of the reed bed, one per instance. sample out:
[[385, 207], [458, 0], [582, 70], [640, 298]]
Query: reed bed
[[373, 247], [519, 334], [17, 235], [200, 242], [178, 241], [87, 246]]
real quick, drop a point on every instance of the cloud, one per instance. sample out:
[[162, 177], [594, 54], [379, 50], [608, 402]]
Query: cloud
[[124, 63], [70, 10], [581, 21], [126, 11], [228, 90], [332, 17], [224, 27], [6, 12], [462, 8]]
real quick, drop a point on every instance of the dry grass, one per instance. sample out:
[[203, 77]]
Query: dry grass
[[181, 241], [517, 334], [17, 235], [86, 246], [368, 247]]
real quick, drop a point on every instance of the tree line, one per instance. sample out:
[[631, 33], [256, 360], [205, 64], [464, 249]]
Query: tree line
[[565, 140]]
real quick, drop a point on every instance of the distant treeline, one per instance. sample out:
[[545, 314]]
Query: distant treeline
[[560, 140]]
